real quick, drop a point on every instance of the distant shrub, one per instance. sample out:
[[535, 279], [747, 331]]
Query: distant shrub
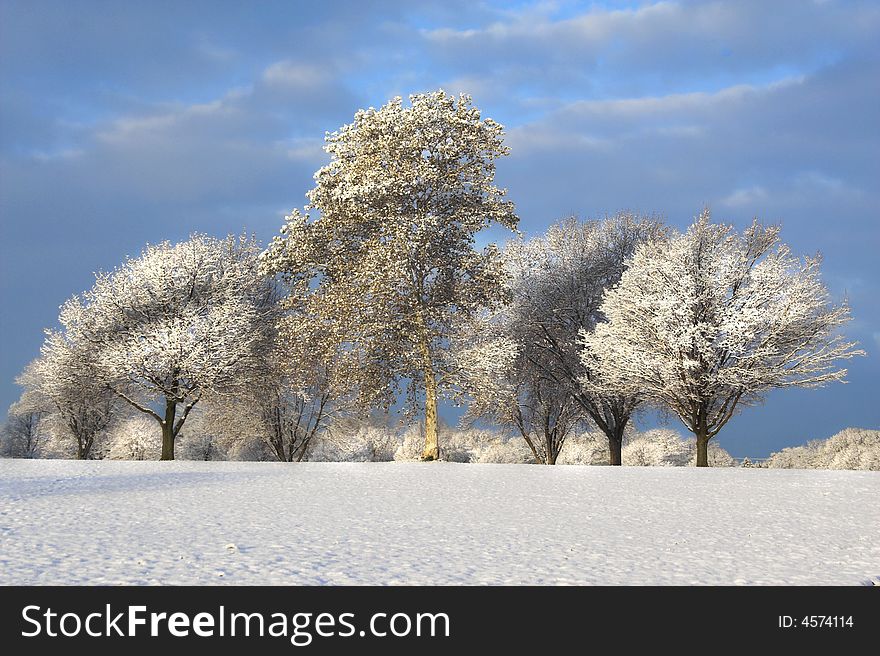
[[851, 448], [202, 439], [354, 443], [199, 446], [248, 448], [411, 442], [505, 451], [135, 438], [465, 445], [661, 447], [587, 448], [459, 446], [454, 445], [656, 448], [473, 445]]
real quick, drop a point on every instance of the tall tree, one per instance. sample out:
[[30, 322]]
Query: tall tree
[[177, 323], [709, 321], [556, 285], [391, 266]]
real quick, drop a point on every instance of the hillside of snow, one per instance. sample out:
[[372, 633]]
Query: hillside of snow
[[101, 522]]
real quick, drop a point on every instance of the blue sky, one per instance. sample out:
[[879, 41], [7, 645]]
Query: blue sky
[[124, 122]]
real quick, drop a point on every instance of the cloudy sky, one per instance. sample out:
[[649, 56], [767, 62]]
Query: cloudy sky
[[123, 123]]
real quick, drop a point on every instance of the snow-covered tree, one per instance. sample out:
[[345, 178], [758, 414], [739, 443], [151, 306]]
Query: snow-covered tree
[[27, 431], [524, 367], [305, 384], [67, 378], [390, 267], [177, 323], [502, 373], [289, 399], [23, 434], [244, 427], [710, 320]]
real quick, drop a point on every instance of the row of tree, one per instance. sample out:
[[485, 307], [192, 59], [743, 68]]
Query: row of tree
[[610, 316], [208, 436], [384, 292]]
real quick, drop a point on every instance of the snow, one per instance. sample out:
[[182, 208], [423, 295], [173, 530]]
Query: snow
[[100, 522]]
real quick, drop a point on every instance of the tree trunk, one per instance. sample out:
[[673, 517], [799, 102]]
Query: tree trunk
[[432, 448], [525, 435], [168, 430], [551, 448], [702, 446], [84, 450], [615, 442], [615, 447]]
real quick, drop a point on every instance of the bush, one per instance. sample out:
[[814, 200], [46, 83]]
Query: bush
[[660, 447], [851, 448], [348, 443], [248, 448], [506, 451], [588, 448], [718, 456], [455, 445], [136, 438], [411, 443], [201, 439], [199, 446], [465, 445], [657, 448]]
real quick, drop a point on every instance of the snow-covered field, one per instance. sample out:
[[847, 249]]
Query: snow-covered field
[[100, 522]]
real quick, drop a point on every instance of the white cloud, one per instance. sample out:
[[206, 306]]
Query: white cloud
[[680, 105], [239, 147], [166, 120], [306, 149], [529, 139], [681, 46], [745, 197], [587, 31], [295, 74]]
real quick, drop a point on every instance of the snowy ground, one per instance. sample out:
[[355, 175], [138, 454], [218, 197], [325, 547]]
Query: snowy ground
[[64, 522]]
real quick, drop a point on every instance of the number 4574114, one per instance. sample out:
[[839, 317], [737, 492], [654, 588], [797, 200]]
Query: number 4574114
[[816, 621]]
